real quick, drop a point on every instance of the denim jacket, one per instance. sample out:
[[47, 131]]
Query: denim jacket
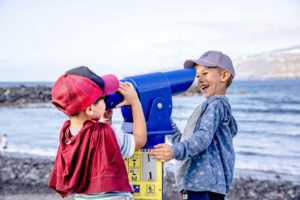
[[210, 149]]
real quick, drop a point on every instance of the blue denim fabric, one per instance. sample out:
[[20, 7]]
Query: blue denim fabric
[[209, 149]]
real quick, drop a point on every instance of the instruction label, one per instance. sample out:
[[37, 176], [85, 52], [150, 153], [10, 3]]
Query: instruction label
[[145, 175]]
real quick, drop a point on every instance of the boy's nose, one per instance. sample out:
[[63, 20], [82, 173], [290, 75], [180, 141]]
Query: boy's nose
[[199, 79]]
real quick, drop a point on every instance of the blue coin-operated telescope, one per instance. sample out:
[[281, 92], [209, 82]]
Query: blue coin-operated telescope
[[155, 91]]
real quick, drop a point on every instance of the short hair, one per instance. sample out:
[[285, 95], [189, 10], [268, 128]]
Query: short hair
[[4, 135], [96, 103], [101, 97], [229, 81]]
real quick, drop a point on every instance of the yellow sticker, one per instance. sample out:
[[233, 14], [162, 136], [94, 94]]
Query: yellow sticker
[[134, 174], [135, 161], [145, 175], [150, 188]]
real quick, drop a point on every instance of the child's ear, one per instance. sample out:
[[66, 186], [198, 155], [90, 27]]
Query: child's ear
[[89, 111], [225, 75]]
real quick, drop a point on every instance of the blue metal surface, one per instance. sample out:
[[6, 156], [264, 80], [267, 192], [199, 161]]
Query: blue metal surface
[[154, 140], [149, 87], [155, 89], [179, 81]]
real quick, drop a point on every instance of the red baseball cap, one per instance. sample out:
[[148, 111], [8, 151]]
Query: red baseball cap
[[79, 88]]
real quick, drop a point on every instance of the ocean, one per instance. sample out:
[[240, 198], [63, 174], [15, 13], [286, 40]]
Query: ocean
[[267, 113]]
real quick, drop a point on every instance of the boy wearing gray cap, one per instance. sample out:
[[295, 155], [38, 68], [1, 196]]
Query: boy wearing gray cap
[[203, 153]]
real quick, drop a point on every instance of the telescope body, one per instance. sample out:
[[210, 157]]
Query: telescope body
[[155, 91]]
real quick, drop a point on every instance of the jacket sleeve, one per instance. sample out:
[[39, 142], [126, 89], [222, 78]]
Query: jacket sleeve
[[202, 137], [175, 138]]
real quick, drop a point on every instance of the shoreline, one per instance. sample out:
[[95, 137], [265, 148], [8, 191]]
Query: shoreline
[[29, 176], [259, 175], [19, 96]]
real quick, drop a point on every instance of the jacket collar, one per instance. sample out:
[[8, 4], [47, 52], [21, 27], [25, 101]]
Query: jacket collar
[[67, 138]]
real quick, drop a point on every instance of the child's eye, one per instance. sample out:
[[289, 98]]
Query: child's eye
[[205, 73]]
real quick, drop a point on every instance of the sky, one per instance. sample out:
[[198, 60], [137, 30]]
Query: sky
[[40, 40]]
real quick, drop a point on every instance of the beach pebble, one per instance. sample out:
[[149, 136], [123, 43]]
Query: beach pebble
[[32, 176], [20, 177]]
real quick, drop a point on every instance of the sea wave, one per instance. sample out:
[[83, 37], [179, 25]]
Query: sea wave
[[287, 133], [33, 151], [255, 167], [274, 101], [292, 133], [268, 167], [268, 121], [270, 110], [296, 155]]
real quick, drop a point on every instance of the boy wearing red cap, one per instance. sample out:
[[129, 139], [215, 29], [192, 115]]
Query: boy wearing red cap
[[89, 159]]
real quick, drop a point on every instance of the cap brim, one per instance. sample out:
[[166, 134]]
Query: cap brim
[[193, 63], [111, 84]]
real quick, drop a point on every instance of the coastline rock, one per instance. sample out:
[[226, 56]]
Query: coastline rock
[[15, 96], [194, 90], [18, 96]]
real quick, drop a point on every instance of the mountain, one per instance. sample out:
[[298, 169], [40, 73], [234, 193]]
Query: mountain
[[280, 64]]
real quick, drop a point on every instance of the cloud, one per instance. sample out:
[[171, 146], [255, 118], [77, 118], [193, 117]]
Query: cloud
[[246, 29], [132, 37], [262, 27]]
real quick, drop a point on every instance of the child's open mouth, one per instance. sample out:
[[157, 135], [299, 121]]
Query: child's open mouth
[[204, 87]]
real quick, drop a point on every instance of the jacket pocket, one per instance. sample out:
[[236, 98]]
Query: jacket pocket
[[212, 169], [201, 171], [207, 169]]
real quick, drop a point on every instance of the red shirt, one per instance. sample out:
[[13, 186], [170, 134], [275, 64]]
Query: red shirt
[[89, 162]]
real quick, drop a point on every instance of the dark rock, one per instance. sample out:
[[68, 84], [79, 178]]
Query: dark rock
[[6, 93], [32, 96], [11, 99], [194, 90], [16, 96], [31, 176], [5, 178], [2, 98]]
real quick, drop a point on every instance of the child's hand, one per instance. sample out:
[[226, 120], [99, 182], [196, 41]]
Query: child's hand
[[139, 125], [162, 152], [129, 93], [107, 116]]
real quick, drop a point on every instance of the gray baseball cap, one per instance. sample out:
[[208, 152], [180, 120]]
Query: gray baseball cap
[[212, 59]]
